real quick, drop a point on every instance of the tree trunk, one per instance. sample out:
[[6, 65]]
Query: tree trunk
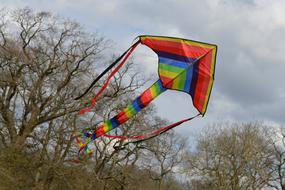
[[160, 184]]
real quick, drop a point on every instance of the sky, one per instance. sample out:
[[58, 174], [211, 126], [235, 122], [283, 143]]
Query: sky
[[249, 81]]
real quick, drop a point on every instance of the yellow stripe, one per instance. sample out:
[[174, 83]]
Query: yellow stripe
[[176, 83], [207, 95], [105, 127], [167, 74], [214, 51], [180, 40], [128, 112], [153, 91]]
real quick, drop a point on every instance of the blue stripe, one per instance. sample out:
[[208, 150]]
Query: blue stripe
[[175, 57], [114, 122], [137, 105], [160, 85], [173, 62], [189, 75]]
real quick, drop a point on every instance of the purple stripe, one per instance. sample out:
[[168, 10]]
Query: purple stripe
[[194, 79], [176, 57]]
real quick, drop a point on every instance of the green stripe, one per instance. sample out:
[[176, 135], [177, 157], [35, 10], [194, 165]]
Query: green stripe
[[109, 124], [157, 89], [170, 68], [131, 110], [182, 78]]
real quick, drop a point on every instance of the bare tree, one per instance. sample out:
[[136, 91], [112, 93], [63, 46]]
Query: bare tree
[[163, 156], [276, 138], [41, 62], [235, 156], [43, 59], [45, 62]]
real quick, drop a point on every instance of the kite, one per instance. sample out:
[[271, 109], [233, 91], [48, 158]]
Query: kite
[[183, 65]]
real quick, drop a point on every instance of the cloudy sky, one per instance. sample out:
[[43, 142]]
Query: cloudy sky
[[250, 34]]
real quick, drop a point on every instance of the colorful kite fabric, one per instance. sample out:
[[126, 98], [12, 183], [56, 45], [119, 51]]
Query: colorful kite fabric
[[132, 109], [184, 65]]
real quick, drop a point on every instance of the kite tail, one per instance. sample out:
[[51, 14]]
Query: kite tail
[[132, 109], [84, 138]]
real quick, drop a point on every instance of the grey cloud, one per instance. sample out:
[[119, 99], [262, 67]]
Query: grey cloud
[[250, 34]]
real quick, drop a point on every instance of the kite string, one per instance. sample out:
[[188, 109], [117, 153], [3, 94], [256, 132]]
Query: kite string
[[94, 99]]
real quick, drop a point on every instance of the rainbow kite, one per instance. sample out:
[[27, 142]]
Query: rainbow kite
[[184, 65]]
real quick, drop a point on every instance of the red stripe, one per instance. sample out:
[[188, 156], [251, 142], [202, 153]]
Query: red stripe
[[123, 137], [146, 97], [204, 76], [178, 48], [77, 140], [99, 131], [157, 132], [207, 61], [122, 117], [167, 82]]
